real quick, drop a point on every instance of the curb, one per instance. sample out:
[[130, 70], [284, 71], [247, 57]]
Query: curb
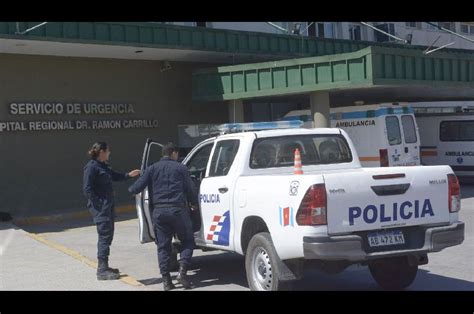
[[25, 221]]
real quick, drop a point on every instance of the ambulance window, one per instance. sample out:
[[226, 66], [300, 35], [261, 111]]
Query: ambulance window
[[409, 130], [223, 157], [456, 131], [393, 130]]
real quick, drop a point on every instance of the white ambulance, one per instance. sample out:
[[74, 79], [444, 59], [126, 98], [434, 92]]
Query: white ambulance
[[447, 135], [385, 135]]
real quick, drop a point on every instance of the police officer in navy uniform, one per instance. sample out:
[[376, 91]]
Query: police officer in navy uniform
[[97, 188], [172, 191]]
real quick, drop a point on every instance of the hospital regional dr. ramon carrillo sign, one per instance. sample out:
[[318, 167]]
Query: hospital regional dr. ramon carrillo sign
[[22, 109]]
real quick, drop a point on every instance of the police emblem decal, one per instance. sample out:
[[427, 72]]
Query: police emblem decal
[[294, 188], [220, 229]]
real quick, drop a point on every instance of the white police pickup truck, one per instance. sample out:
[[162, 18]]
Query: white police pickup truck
[[333, 215]]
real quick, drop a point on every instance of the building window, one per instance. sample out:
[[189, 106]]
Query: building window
[[311, 29], [321, 29], [467, 29], [386, 27], [410, 24], [448, 25], [355, 32], [429, 26]]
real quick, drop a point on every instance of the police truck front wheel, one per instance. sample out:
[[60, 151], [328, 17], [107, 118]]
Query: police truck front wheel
[[393, 273], [261, 265]]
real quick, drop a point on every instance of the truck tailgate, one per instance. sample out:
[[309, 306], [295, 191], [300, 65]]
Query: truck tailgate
[[363, 200]]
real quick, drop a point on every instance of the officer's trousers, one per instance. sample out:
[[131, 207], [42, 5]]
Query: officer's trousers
[[105, 231], [103, 214], [168, 221]]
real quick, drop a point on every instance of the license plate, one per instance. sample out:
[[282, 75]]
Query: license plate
[[386, 238]]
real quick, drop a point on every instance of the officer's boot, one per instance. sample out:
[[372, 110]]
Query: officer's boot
[[104, 273], [183, 279], [115, 270], [167, 282]]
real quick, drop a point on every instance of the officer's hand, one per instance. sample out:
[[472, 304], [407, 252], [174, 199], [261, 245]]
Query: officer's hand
[[134, 173]]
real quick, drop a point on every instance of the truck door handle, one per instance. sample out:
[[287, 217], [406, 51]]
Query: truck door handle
[[406, 149], [223, 189]]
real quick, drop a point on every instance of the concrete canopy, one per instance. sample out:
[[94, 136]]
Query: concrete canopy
[[370, 74]]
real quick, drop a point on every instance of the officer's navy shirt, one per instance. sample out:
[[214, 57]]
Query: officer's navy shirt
[[169, 184], [98, 177]]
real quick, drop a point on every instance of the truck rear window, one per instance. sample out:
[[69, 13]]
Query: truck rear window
[[271, 152], [456, 131]]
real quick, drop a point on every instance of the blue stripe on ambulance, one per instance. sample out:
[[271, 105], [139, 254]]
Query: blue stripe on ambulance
[[367, 113]]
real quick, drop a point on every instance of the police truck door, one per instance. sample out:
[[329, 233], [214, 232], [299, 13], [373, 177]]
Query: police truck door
[[151, 154], [216, 195]]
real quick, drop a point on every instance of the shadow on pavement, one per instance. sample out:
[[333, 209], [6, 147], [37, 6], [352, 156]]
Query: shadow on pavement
[[58, 226], [426, 280], [8, 225], [219, 269], [211, 270], [467, 190], [361, 280]]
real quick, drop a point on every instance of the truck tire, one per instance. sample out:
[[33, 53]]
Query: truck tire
[[261, 266], [393, 273]]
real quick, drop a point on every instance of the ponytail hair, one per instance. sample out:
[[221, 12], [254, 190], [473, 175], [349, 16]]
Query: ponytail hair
[[96, 148]]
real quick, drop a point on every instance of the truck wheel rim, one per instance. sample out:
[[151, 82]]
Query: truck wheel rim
[[262, 270]]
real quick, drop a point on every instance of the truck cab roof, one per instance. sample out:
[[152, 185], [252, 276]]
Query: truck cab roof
[[280, 132]]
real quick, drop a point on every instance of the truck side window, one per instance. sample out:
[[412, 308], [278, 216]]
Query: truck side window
[[154, 154], [223, 157], [198, 162], [393, 130]]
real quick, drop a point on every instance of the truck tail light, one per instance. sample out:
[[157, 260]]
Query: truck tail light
[[383, 157], [454, 194], [312, 210]]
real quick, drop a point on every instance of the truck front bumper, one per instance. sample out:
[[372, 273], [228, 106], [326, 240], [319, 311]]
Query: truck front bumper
[[351, 247]]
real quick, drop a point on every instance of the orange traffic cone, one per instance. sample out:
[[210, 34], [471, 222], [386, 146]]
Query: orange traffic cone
[[298, 166]]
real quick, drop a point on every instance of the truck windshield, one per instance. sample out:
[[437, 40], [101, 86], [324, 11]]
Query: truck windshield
[[315, 149]]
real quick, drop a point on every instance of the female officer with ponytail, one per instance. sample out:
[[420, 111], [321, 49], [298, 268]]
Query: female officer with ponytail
[[97, 188]]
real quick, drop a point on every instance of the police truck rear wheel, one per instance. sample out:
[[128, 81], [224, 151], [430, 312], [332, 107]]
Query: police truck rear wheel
[[393, 273], [260, 265]]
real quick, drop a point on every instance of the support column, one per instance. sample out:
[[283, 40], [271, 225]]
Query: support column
[[319, 102], [236, 111]]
